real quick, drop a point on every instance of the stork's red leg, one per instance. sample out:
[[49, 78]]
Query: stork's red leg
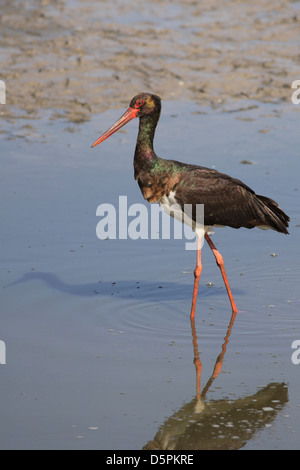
[[197, 274], [220, 263]]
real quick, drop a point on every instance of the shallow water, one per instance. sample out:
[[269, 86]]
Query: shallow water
[[99, 345]]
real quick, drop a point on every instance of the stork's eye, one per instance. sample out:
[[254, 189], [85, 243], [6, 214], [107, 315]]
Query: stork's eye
[[139, 103]]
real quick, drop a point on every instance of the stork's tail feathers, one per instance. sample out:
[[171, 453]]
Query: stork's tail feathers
[[274, 216]]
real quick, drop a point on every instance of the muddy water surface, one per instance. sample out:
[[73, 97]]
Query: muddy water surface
[[100, 351]]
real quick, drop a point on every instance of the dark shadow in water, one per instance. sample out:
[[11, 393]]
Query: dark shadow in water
[[218, 424], [144, 290]]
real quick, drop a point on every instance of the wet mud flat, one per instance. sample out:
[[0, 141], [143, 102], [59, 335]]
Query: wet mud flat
[[79, 58], [100, 351]]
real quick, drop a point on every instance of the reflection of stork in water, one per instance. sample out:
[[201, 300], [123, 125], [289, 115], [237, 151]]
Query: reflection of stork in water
[[219, 362], [218, 424]]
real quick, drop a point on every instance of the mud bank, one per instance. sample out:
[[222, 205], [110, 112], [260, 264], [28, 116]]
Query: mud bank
[[78, 58]]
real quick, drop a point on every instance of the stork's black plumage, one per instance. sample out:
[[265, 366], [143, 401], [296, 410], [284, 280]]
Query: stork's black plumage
[[227, 201]]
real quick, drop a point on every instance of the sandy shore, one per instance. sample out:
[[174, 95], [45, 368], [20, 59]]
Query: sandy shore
[[77, 58]]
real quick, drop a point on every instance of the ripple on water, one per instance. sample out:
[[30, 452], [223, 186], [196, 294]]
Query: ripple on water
[[159, 320]]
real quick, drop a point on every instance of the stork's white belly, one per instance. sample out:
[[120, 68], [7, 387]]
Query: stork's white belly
[[171, 207]]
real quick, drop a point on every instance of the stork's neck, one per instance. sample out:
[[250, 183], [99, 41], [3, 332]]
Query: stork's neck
[[144, 145]]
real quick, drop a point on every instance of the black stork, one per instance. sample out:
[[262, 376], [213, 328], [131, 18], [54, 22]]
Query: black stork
[[227, 201]]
